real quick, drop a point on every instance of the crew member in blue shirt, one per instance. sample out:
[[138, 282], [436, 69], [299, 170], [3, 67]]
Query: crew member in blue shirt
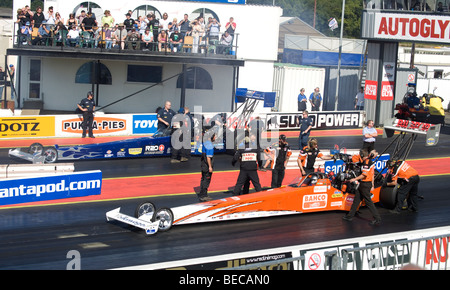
[[305, 124], [315, 99], [207, 165], [302, 100]]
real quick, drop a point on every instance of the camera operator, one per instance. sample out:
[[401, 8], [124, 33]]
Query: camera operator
[[363, 192]]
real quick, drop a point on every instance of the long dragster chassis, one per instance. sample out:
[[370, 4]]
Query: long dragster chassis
[[296, 198], [315, 192]]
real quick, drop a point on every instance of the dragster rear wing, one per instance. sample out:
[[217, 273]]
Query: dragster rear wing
[[431, 131]]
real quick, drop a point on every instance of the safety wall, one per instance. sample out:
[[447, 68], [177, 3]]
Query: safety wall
[[146, 124]]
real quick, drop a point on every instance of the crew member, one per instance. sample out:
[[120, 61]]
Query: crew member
[[305, 124], [165, 116], [207, 165], [248, 158], [409, 184], [87, 106], [283, 154], [182, 135], [307, 157], [363, 192]]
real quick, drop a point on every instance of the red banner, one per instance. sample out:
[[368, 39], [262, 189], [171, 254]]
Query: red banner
[[370, 90]]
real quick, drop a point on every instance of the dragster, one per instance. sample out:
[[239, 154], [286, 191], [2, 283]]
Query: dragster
[[315, 192]]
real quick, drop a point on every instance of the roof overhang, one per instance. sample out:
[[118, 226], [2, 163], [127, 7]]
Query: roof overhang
[[128, 55]]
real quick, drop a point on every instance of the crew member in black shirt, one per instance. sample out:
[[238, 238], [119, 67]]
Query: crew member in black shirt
[[283, 154], [248, 158], [87, 106], [165, 116]]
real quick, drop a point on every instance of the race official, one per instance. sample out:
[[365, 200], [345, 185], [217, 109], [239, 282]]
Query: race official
[[165, 116], [248, 158], [87, 106], [408, 180], [307, 157], [363, 192], [369, 134], [207, 165], [283, 153]]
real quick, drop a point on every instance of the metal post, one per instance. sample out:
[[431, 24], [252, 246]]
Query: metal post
[[340, 53]]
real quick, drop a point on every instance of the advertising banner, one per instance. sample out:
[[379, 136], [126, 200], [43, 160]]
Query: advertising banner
[[104, 124], [321, 120], [145, 124], [27, 127], [338, 165], [412, 27], [17, 191], [370, 90]]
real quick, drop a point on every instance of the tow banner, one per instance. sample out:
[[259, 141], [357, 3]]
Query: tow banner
[[23, 190], [321, 120]]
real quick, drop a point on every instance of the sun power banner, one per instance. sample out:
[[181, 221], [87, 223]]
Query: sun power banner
[[24, 190]]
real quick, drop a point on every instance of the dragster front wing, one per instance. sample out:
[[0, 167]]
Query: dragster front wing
[[143, 222]]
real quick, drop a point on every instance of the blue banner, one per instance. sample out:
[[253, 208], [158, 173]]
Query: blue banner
[[16, 191], [338, 165], [145, 124]]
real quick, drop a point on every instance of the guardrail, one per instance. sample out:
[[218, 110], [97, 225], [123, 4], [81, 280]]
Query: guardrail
[[429, 253], [26, 170]]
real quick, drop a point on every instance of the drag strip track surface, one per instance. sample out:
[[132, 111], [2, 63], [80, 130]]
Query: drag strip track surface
[[44, 237]]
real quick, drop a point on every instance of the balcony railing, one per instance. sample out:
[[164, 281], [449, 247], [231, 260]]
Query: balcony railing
[[220, 45]]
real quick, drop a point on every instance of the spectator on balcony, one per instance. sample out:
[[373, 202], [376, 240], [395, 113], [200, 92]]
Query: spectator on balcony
[[81, 17], [128, 22], [197, 31], [230, 27], [88, 23], [142, 25], [107, 19], [214, 31], [73, 36], [120, 35], [72, 20], [147, 40], [225, 43], [43, 34], [25, 33], [184, 25], [58, 18], [134, 40], [50, 18], [38, 17], [108, 35], [27, 13], [164, 22], [173, 26], [175, 41], [163, 41]]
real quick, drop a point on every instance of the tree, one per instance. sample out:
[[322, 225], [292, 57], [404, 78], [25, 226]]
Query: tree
[[326, 9]]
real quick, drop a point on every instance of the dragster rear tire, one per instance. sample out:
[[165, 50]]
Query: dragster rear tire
[[145, 208], [36, 148], [165, 217], [388, 196]]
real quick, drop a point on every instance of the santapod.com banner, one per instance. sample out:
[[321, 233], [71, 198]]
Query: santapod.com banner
[[16, 191]]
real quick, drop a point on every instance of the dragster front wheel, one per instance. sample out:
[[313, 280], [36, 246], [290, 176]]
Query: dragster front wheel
[[165, 217], [36, 148], [50, 154], [145, 208]]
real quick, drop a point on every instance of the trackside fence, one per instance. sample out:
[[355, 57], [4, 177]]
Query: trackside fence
[[429, 253]]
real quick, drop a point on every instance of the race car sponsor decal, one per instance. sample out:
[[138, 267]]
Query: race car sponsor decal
[[134, 151], [320, 188], [315, 201], [154, 149]]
